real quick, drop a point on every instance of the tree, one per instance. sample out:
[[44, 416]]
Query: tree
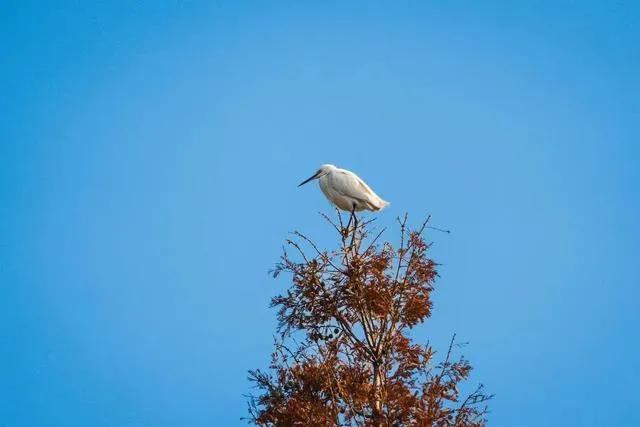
[[343, 356]]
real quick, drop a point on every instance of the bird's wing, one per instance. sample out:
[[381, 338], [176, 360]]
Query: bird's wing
[[364, 186], [350, 185]]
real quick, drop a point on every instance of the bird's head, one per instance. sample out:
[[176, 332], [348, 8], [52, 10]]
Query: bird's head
[[322, 171]]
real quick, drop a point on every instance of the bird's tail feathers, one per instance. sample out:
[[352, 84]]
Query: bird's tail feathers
[[382, 204]]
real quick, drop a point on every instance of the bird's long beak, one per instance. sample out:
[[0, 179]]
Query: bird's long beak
[[314, 176]]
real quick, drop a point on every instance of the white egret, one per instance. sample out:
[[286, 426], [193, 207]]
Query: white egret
[[346, 190]]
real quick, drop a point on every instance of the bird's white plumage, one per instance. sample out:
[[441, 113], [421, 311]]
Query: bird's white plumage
[[346, 190]]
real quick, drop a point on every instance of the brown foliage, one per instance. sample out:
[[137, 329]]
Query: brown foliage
[[343, 357]]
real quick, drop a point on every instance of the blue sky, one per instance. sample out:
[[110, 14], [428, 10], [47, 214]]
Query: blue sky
[[149, 156]]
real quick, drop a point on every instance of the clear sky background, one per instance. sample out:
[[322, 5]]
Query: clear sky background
[[149, 156]]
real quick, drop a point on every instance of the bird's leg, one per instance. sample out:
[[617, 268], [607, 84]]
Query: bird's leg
[[355, 223], [345, 231], [354, 218]]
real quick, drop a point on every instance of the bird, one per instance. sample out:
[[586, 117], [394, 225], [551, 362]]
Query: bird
[[346, 190]]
